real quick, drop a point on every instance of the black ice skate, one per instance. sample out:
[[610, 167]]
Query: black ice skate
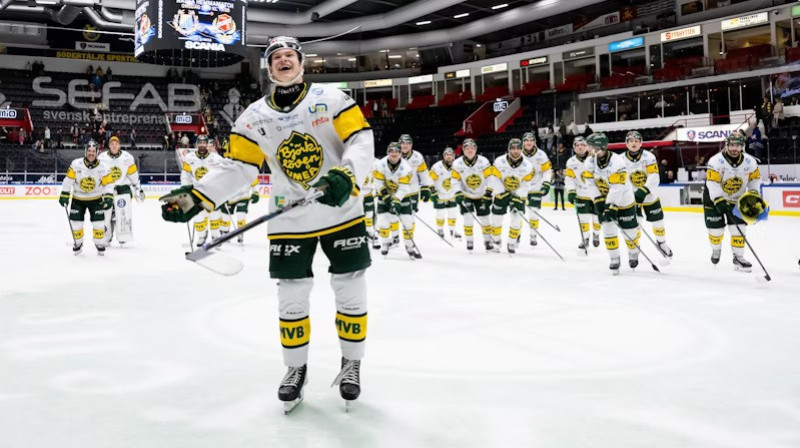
[[614, 266], [395, 240], [376, 243], [596, 240], [77, 248], [470, 246], [455, 235], [201, 240], [290, 391], [740, 264], [101, 250], [533, 240], [385, 249], [633, 260], [582, 248], [715, 255], [349, 382], [240, 238], [440, 232], [662, 246], [512, 248], [413, 252]]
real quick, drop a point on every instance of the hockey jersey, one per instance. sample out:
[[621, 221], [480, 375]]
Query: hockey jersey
[[473, 176], [513, 177], [245, 193], [731, 179], [195, 166], [612, 180], [122, 168], [642, 169], [396, 179], [88, 181], [322, 129], [444, 183], [578, 178], [420, 168], [542, 168]]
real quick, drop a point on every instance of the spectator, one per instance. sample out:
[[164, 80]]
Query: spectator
[[74, 132], [560, 157], [47, 136], [59, 139], [3, 135], [663, 169], [777, 114], [558, 187], [549, 139], [587, 131], [384, 108], [766, 114], [132, 138], [108, 73], [89, 70], [756, 145], [23, 136], [562, 131], [185, 141], [13, 136], [375, 108]]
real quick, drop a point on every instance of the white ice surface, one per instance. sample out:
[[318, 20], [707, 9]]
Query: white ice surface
[[143, 349]]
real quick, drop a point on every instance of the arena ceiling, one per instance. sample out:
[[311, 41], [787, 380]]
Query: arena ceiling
[[359, 26]]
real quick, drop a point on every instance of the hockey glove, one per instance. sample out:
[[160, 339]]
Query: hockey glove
[[139, 194], [460, 198], [338, 186], [254, 198], [180, 205], [486, 199], [435, 198], [63, 200], [571, 196], [599, 206], [640, 194], [545, 188], [610, 214], [723, 207], [425, 193], [225, 209], [108, 201], [517, 203], [396, 206]]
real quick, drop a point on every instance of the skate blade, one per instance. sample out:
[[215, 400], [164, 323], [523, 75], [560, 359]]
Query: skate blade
[[741, 269], [615, 272], [349, 405], [289, 406]]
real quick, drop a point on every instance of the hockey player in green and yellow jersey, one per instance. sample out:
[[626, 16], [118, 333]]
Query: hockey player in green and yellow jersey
[[614, 201], [125, 174], [313, 138], [89, 182], [542, 176], [392, 179], [474, 173], [512, 178], [731, 174], [579, 181], [195, 166], [643, 174], [445, 189]]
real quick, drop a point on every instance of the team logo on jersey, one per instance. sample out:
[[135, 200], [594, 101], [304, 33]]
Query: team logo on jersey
[[474, 181], [511, 183], [300, 158], [638, 178], [200, 172], [88, 184], [447, 184], [732, 185], [116, 173], [391, 186], [602, 185]]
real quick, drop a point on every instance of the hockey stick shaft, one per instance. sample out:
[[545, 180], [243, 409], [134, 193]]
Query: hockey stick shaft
[[432, 230], [543, 238], [636, 245], [533, 210], [483, 228], [405, 229], [750, 246], [584, 242], [191, 236], [658, 248]]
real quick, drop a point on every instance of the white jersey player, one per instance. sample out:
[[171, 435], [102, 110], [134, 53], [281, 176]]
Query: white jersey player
[[473, 173], [315, 140], [88, 181], [513, 177], [731, 174], [125, 174], [195, 166], [615, 202], [581, 191], [236, 209], [540, 185], [368, 191], [392, 184], [445, 189], [420, 182], [643, 174]]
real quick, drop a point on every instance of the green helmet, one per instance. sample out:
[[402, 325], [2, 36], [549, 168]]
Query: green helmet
[[405, 138], [529, 136], [598, 140], [735, 139], [393, 146], [635, 135], [469, 142], [515, 143]]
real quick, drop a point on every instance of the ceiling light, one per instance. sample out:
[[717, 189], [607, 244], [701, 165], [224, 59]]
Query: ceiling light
[[383, 51], [478, 45], [311, 55], [458, 16], [424, 22], [395, 56], [351, 59], [319, 61], [500, 6]]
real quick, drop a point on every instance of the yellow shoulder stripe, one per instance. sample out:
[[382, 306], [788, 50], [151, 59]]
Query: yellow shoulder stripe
[[404, 180], [107, 179], [617, 178], [422, 167], [456, 175], [713, 176], [433, 175], [245, 150], [754, 175], [569, 173], [546, 166], [528, 177], [490, 171], [186, 167], [349, 122], [378, 175], [71, 173], [652, 169], [132, 169], [255, 182]]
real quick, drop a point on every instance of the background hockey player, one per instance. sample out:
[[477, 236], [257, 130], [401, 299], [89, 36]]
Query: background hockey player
[[89, 182], [420, 182], [236, 209], [643, 175], [125, 176], [473, 172], [328, 148], [368, 190], [445, 188], [731, 173], [513, 176], [581, 190], [195, 166], [392, 180], [542, 176], [615, 204]]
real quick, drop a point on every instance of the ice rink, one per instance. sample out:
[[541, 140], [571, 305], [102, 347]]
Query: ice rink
[[144, 349]]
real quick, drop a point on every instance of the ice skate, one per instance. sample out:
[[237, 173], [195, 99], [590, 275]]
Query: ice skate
[[240, 238], [533, 240], [77, 248], [376, 243], [385, 249], [512, 248], [715, 255], [614, 266], [740, 264], [101, 250], [455, 235], [633, 260], [662, 246], [491, 247], [349, 382], [470, 246], [440, 232], [413, 252], [290, 391], [582, 248], [596, 240], [395, 241], [201, 239]]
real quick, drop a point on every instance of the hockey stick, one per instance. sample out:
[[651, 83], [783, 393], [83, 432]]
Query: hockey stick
[[66, 210], [405, 229], [432, 230], [230, 266], [766, 276], [532, 210], [584, 242], [636, 245], [489, 232], [540, 236], [191, 235], [666, 261]]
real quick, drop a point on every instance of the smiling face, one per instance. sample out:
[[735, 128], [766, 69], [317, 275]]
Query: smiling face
[[470, 151], [285, 65], [113, 146]]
